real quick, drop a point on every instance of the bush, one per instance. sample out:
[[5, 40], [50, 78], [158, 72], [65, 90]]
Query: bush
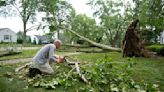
[[158, 48], [161, 51], [29, 40], [20, 41], [1, 42], [34, 42]]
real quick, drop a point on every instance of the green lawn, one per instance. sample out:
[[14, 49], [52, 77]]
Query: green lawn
[[23, 45], [24, 54], [149, 70]]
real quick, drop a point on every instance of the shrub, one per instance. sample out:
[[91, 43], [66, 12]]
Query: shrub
[[158, 48], [29, 40], [161, 51], [20, 41], [1, 42], [34, 42]]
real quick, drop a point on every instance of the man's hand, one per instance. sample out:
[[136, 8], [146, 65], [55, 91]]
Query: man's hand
[[60, 59]]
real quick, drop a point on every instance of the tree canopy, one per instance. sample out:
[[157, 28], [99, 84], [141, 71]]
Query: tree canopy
[[114, 17]]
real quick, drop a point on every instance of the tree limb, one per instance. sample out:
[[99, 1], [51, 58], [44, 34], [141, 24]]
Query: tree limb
[[80, 74], [102, 46], [15, 5]]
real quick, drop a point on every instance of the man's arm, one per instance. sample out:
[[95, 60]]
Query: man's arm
[[51, 55], [55, 58]]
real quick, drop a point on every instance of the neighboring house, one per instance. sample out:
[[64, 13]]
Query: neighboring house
[[161, 38], [39, 39], [7, 35]]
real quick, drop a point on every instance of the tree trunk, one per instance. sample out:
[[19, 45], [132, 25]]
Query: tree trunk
[[24, 32], [58, 31], [132, 45], [102, 46]]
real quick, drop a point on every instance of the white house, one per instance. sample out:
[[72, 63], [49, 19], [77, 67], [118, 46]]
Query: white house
[[161, 38], [37, 38], [7, 35]]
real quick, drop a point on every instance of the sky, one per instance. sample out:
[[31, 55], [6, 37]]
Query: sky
[[81, 7], [15, 23]]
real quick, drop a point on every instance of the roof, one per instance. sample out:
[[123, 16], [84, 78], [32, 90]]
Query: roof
[[4, 29], [1, 29], [42, 38]]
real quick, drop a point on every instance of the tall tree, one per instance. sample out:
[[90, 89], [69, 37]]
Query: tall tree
[[86, 23], [26, 10], [57, 13], [111, 19], [151, 16], [87, 27], [2, 3], [6, 9], [132, 45]]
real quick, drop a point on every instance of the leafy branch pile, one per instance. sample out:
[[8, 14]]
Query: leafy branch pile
[[104, 75]]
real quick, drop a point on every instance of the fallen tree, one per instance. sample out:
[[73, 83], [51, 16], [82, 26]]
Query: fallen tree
[[132, 44], [102, 46], [76, 45]]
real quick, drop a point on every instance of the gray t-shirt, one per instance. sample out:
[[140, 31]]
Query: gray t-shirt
[[45, 54]]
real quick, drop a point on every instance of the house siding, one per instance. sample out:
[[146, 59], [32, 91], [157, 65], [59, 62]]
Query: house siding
[[11, 34], [161, 38]]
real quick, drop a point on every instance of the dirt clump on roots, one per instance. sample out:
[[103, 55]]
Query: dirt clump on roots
[[132, 44]]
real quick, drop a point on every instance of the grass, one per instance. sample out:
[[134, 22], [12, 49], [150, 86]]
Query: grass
[[14, 84], [24, 54], [80, 49], [149, 70], [23, 45]]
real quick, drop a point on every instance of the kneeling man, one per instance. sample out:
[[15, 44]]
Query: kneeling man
[[41, 61]]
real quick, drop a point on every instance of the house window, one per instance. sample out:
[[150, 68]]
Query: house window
[[6, 37]]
